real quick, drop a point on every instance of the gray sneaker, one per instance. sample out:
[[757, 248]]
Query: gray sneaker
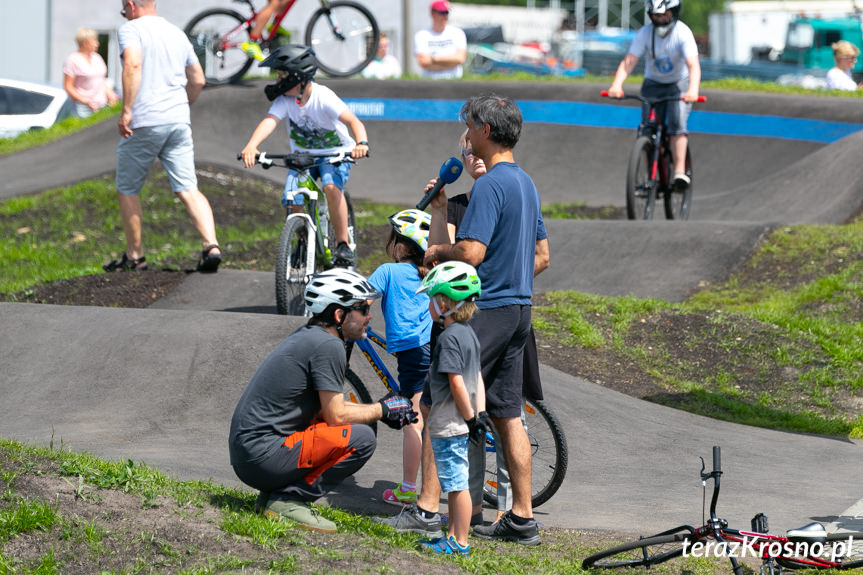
[[411, 520], [508, 530], [300, 511]]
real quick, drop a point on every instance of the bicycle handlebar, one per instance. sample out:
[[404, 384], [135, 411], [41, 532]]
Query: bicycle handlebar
[[300, 161], [604, 94]]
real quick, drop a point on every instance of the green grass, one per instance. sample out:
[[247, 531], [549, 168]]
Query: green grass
[[59, 130]]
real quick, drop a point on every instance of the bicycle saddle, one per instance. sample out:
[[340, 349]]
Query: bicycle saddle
[[811, 532]]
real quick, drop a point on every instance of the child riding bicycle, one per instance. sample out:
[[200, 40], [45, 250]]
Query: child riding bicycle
[[319, 123], [408, 324], [672, 69]]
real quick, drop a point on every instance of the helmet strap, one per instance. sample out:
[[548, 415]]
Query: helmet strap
[[446, 314], [339, 323], [303, 86]]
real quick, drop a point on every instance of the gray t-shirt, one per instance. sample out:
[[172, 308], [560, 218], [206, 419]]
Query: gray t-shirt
[[165, 53], [456, 351], [282, 397]]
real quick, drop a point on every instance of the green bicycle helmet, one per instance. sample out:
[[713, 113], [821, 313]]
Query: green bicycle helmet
[[413, 225], [456, 280]]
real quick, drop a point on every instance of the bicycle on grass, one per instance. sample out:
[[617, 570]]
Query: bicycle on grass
[[343, 34], [308, 236], [807, 547], [651, 166], [547, 440]]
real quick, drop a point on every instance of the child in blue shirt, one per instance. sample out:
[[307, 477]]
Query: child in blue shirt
[[408, 331]]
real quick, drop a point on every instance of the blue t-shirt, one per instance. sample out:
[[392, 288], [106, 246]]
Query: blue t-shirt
[[406, 312], [504, 214]]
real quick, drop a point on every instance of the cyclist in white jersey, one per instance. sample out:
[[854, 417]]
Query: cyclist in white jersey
[[671, 69]]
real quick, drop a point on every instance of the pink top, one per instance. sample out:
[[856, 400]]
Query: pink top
[[88, 75]]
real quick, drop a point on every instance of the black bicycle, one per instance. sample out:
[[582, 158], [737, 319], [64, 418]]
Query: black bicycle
[[651, 167], [807, 547]]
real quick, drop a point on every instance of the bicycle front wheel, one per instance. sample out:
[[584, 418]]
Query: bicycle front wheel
[[355, 392], [644, 552], [344, 36], [216, 36], [291, 264], [549, 456], [640, 187], [677, 202], [835, 547]]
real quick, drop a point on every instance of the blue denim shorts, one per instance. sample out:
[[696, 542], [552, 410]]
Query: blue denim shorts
[[413, 367], [450, 457], [171, 143], [677, 112], [327, 173]]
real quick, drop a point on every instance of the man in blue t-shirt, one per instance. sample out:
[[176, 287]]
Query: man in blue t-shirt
[[503, 236]]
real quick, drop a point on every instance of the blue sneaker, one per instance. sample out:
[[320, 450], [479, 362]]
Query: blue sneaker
[[444, 546]]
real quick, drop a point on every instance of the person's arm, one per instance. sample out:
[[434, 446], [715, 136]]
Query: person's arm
[[460, 395], [195, 81], [358, 131], [335, 411], [470, 251], [69, 86], [438, 63], [541, 257], [627, 65], [111, 95], [438, 229], [694, 79], [131, 79], [261, 133], [480, 393]]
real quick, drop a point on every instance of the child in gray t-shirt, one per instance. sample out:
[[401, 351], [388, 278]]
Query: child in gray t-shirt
[[458, 393]]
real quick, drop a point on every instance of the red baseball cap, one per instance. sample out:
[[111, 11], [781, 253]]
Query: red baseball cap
[[440, 6]]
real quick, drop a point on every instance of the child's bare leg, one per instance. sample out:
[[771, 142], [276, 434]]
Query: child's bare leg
[[459, 515], [429, 495], [413, 444], [338, 212]]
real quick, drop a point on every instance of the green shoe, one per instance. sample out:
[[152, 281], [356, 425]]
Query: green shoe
[[261, 501], [253, 50], [300, 511]]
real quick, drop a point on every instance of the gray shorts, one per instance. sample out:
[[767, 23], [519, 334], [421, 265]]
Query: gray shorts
[[677, 112], [171, 143]]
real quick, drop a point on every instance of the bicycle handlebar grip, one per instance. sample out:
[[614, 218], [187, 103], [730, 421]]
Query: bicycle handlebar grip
[[702, 98], [717, 463], [604, 93]]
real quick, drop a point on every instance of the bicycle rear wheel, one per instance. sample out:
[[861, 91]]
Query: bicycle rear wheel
[[640, 187], [549, 455], [852, 558], [216, 36], [646, 552], [344, 36], [677, 202], [291, 272]]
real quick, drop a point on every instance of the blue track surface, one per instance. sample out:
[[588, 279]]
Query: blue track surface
[[611, 116]]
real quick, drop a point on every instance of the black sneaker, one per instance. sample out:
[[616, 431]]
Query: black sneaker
[[343, 256], [508, 530]]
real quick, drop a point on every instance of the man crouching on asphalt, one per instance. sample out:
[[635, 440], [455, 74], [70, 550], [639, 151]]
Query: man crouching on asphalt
[[292, 436]]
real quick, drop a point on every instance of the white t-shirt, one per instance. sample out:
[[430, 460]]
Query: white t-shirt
[[386, 67], [315, 126], [165, 52], [447, 43], [840, 80], [665, 57]]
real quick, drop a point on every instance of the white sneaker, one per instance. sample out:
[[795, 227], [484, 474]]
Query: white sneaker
[[681, 179]]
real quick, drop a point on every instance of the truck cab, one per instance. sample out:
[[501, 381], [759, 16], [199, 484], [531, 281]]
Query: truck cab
[[808, 42]]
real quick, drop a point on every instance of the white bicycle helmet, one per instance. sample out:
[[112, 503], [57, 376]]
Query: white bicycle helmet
[[414, 225], [661, 7], [339, 286]]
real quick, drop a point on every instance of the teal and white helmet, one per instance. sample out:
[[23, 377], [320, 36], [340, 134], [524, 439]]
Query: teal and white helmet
[[340, 286], [456, 280], [413, 225]]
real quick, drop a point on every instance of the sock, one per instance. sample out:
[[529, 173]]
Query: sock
[[518, 520], [407, 486], [426, 514]]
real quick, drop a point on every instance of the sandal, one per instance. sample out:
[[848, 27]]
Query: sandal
[[209, 262], [126, 264]]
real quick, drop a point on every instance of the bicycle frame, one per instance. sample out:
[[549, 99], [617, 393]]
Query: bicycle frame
[[375, 361], [265, 37]]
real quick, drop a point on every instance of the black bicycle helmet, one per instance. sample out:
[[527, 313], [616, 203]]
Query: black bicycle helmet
[[298, 63]]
